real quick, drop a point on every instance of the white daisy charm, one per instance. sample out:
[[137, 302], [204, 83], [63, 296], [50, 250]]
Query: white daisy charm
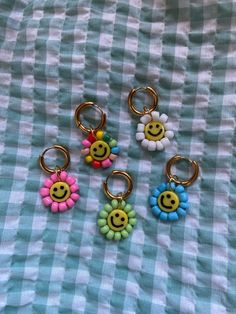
[[153, 131]]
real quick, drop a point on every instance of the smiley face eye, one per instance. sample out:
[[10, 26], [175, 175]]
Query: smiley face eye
[[55, 189], [150, 126], [117, 215], [122, 219], [100, 145], [157, 126], [62, 187], [168, 196], [95, 149], [172, 202]]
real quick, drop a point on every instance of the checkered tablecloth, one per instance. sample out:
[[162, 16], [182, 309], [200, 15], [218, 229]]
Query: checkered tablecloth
[[55, 54]]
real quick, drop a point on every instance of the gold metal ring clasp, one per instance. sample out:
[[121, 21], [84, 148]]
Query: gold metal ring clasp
[[122, 195], [175, 178], [83, 106], [53, 170], [146, 110]]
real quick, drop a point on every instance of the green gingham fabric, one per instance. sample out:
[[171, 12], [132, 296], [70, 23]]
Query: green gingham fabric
[[55, 54]]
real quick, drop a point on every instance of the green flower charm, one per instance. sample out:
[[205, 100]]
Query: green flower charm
[[116, 220]]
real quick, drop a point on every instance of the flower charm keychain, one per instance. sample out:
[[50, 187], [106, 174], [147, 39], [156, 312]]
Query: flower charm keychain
[[153, 130], [169, 200], [60, 190], [116, 220], [99, 148]]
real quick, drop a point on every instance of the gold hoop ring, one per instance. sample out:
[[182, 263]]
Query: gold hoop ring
[[174, 178], [122, 195], [146, 110], [79, 124], [65, 154]]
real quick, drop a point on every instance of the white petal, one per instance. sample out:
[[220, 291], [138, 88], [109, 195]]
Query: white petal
[[146, 118], [152, 146], [168, 126], [165, 141], [169, 134], [140, 136], [163, 118], [155, 115], [140, 127], [159, 145], [145, 143]]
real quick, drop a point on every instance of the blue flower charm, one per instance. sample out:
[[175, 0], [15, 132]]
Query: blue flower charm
[[169, 201]]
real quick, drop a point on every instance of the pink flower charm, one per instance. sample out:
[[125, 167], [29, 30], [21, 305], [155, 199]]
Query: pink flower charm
[[59, 192]]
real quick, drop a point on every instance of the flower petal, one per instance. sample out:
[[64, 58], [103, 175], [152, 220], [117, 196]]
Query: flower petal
[[86, 143], [146, 118], [70, 203], [74, 188], [84, 151], [183, 197], [155, 115], [159, 145], [75, 196], [156, 211], [163, 118], [63, 206], [63, 175], [110, 234], [54, 177], [47, 201], [70, 180], [115, 150], [54, 207], [44, 192], [184, 205], [156, 192], [181, 211], [169, 134], [112, 157], [140, 127], [48, 183], [152, 146], [140, 136], [162, 187], [106, 163], [163, 216], [145, 143], [179, 188], [165, 141], [173, 216], [152, 201], [168, 126]]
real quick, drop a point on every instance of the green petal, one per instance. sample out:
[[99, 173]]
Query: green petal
[[128, 208], [132, 221], [103, 214], [110, 235], [117, 236], [108, 208], [121, 204], [124, 234], [113, 143], [114, 203], [132, 214], [106, 137], [104, 229], [102, 222], [129, 228]]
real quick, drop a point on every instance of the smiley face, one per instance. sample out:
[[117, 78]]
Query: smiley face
[[154, 131], [168, 201], [100, 150], [117, 220], [60, 192]]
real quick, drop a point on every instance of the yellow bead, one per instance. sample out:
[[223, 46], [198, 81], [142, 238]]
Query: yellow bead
[[99, 134], [88, 159]]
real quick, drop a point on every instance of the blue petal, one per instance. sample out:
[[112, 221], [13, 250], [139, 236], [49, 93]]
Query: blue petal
[[115, 150], [163, 216], [172, 186], [152, 201], [173, 216], [162, 187], [156, 192], [183, 197], [181, 211], [184, 205], [156, 210], [179, 188]]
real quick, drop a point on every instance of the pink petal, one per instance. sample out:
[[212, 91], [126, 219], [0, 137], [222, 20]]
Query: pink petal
[[47, 201], [74, 188], [63, 206], [54, 177], [85, 151], [63, 175], [86, 143], [106, 163], [75, 196], [112, 157], [54, 207], [48, 183], [44, 192], [70, 203], [70, 180]]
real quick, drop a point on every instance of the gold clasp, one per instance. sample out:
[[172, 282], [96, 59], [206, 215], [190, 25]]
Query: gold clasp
[[123, 195], [57, 168], [83, 106], [146, 110], [174, 178]]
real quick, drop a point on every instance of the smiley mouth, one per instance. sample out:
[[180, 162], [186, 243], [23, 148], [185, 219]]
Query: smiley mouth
[[158, 133], [117, 226], [60, 197], [167, 207], [100, 156]]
